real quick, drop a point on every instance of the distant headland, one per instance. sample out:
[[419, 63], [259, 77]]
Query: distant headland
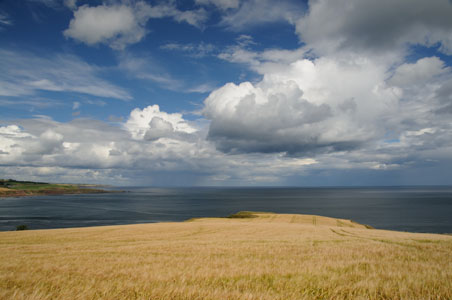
[[16, 188]]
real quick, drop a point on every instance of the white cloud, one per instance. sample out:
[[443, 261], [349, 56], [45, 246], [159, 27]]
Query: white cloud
[[119, 25], [202, 88], [305, 108], [261, 61], [264, 122], [12, 131], [194, 50], [49, 142], [347, 111], [116, 25], [424, 70], [241, 52], [24, 73], [150, 123], [352, 103], [72, 4], [150, 143], [194, 18]]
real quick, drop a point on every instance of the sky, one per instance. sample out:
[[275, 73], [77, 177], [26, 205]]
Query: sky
[[227, 92]]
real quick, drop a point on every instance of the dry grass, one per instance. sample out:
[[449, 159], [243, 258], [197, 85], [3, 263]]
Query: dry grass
[[267, 257]]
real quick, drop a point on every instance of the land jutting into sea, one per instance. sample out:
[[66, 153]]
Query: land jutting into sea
[[15, 188], [244, 256]]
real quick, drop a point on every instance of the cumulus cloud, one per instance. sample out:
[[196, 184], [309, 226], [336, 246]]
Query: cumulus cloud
[[12, 131], [347, 97], [151, 124], [378, 27], [147, 145], [25, 73], [116, 25], [346, 114], [119, 25], [299, 137], [49, 142], [308, 107], [346, 100]]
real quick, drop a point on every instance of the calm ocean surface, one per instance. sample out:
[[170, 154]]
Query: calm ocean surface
[[416, 209]]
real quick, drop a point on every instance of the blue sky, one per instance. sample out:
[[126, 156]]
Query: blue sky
[[226, 92]]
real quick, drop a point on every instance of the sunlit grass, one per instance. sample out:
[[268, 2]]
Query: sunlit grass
[[268, 256]]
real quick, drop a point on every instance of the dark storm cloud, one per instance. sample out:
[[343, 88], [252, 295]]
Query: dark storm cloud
[[376, 25]]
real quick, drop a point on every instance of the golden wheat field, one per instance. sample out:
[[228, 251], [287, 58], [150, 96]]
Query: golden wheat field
[[268, 256]]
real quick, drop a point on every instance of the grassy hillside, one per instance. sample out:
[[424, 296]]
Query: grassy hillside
[[14, 188], [254, 256]]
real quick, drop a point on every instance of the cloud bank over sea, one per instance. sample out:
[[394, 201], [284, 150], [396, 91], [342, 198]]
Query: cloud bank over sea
[[364, 97]]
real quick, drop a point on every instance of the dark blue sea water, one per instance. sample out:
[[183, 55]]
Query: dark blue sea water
[[416, 209]]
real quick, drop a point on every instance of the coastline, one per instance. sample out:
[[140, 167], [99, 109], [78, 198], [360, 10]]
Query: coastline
[[51, 192], [15, 188], [392, 210]]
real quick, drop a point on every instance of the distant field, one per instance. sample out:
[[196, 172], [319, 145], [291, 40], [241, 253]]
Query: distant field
[[247, 256], [12, 188]]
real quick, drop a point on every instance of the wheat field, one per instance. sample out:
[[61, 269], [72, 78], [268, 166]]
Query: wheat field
[[266, 256]]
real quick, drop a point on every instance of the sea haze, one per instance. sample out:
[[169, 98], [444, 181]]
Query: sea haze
[[416, 209]]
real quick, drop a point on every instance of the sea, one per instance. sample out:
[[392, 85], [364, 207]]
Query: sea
[[413, 209]]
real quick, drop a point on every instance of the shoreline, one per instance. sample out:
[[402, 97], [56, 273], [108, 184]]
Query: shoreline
[[53, 192], [129, 208], [16, 188]]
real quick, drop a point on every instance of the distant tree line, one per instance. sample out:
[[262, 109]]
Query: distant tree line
[[9, 182]]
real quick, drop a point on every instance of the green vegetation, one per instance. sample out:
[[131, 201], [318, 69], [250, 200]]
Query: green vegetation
[[15, 188], [242, 215], [249, 214], [21, 227], [33, 186]]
